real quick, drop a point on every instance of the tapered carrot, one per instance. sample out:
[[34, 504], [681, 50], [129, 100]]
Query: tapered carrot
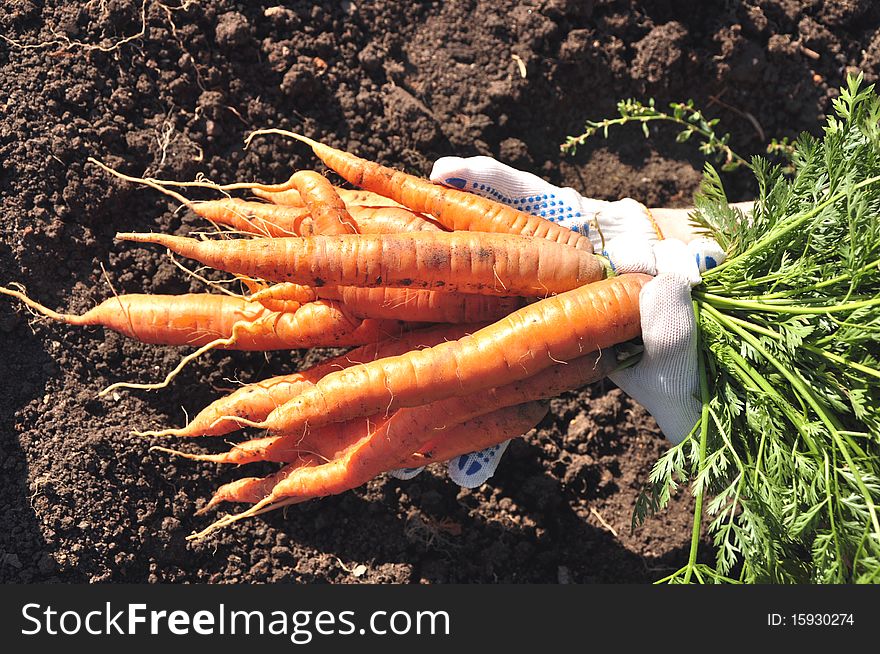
[[256, 401], [470, 262], [209, 322], [525, 342], [257, 487], [240, 453], [199, 319], [454, 209]]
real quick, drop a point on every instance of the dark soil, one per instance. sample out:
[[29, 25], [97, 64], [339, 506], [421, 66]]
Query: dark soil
[[402, 83]]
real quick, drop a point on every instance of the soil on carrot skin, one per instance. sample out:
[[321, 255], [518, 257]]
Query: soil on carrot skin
[[172, 92]]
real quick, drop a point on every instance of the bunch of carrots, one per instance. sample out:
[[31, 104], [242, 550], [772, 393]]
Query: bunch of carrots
[[465, 316]]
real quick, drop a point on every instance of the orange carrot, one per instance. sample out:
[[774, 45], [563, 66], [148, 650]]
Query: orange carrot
[[272, 220], [258, 400], [351, 197], [412, 305], [391, 220], [454, 209], [525, 342], [478, 433], [323, 202], [245, 452], [469, 262], [228, 322], [421, 305], [257, 487], [256, 217]]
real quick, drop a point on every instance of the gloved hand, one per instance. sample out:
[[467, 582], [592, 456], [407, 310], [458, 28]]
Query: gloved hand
[[665, 381]]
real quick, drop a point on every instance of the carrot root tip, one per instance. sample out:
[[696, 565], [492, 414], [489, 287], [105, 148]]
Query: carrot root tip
[[213, 502], [162, 432], [168, 450]]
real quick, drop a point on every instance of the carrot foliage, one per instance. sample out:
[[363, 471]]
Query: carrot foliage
[[786, 460]]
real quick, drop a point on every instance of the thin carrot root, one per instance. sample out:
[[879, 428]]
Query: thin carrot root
[[218, 343], [69, 318], [153, 183], [262, 506]]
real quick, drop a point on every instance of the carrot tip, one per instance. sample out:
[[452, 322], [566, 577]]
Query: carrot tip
[[168, 450], [281, 132], [132, 236], [162, 432], [210, 505]]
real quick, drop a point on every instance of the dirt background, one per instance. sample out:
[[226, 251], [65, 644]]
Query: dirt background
[[171, 89]]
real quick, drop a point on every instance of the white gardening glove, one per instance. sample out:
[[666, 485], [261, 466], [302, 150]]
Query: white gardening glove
[[665, 381]]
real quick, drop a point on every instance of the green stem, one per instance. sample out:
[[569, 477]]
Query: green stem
[[704, 437], [752, 305], [836, 358], [831, 508], [818, 285]]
